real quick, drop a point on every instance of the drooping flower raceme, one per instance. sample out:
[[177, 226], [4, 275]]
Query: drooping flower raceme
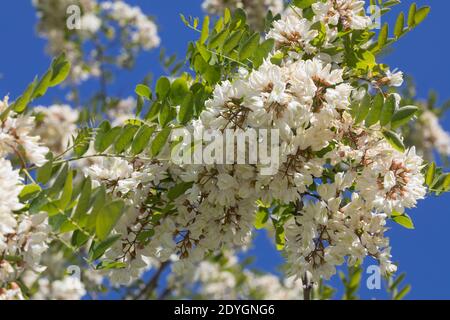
[[15, 134], [337, 183], [339, 179], [56, 125], [113, 20]]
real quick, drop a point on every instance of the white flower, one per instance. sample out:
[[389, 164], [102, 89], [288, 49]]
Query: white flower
[[293, 32], [394, 79], [351, 13], [15, 133], [90, 22], [392, 180], [55, 126], [433, 133]]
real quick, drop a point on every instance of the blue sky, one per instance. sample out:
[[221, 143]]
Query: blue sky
[[423, 54]]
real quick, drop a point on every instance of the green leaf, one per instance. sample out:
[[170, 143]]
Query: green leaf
[[206, 55], [103, 128], [107, 218], [212, 74], [394, 140], [143, 91], [280, 239], [139, 105], [186, 109], [60, 70], [397, 281], [219, 39], [263, 51], [421, 15], [142, 139], [183, 18], [403, 116], [164, 116], [303, 4], [232, 41], [375, 110], [83, 202], [98, 203], [178, 190], [29, 191], [226, 15], [412, 15], [366, 61], [108, 265], [159, 141], [249, 47], [399, 25], [42, 85], [125, 139], [383, 36], [44, 173], [79, 238], [162, 88], [205, 30], [66, 196], [277, 58], [178, 90], [402, 219], [59, 182], [262, 215], [109, 138], [22, 102], [388, 110], [441, 184], [82, 141], [403, 293], [364, 108], [429, 177], [98, 249]]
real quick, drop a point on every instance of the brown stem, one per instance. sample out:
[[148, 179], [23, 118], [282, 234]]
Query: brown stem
[[153, 283], [307, 288]]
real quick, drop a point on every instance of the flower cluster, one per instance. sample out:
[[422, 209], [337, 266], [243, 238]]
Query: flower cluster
[[109, 19], [16, 138], [340, 175], [223, 277], [142, 30], [56, 125], [338, 180], [23, 237], [435, 137]]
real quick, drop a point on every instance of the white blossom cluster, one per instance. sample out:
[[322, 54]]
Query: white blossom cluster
[[359, 178], [69, 288], [132, 182], [96, 17], [256, 10], [15, 135], [52, 17], [143, 30], [56, 125], [122, 111], [433, 133], [227, 280], [23, 237]]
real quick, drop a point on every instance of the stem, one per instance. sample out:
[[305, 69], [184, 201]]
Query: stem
[[307, 287], [153, 283]]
